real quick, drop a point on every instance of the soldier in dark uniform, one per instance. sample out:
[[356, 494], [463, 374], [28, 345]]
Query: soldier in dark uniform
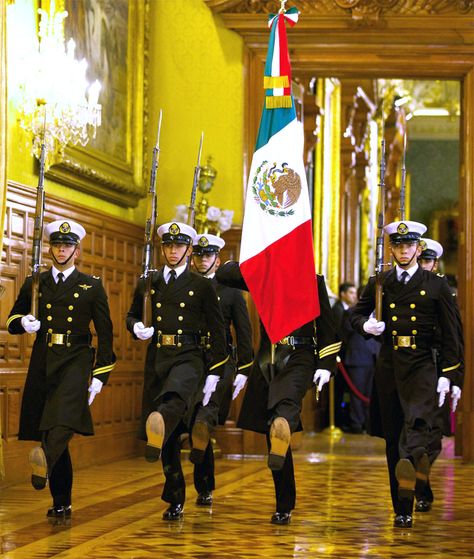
[[273, 399], [416, 303], [206, 249], [174, 369], [63, 366], [431, 252]]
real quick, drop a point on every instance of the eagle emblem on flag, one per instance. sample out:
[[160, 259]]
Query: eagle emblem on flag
[[276, 188]]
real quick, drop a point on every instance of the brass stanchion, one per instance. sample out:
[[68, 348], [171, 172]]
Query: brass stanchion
[[332, 430]]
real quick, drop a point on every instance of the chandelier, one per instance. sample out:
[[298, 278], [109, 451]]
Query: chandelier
[[57, 104]]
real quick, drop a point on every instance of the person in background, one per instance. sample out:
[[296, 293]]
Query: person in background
[[360, 355], [347, 299], [65, 372]]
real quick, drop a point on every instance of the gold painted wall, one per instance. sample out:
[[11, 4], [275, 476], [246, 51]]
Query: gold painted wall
[[196, 75]]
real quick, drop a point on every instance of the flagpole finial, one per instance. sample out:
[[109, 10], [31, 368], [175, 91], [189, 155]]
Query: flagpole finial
[[282, 6]]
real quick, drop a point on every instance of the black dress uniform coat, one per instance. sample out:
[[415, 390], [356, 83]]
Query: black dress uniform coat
[[417, 309], [56, 388], [178, 309], [294, 367], [235, 314]]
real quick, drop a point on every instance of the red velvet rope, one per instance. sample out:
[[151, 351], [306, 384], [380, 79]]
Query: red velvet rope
[[340, 366]]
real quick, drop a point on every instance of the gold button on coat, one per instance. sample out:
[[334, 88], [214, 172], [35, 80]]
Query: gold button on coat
[[413, 318], [48, 306], [412, 306], [392, 305], [394, 318]]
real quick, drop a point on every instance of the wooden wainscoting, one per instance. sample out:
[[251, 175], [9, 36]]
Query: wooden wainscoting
[[112, 250]]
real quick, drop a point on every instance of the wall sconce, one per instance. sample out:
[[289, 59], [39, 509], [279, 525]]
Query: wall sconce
[[208, 219]]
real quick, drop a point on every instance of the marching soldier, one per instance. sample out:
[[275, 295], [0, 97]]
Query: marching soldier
[[276, 387], [206, 249], [62, 366], [416, 304], [431, 252], [174, 367]]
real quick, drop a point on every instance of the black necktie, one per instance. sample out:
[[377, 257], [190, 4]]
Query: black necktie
[[172, 276], [404, 277], [60, 280]]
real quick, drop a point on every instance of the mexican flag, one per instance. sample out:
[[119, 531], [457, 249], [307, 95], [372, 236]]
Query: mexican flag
[[276, 257]]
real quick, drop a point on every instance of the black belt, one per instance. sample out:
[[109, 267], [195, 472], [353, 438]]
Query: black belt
[[55, 338], [297, 341], [411, 342], [176, 340]]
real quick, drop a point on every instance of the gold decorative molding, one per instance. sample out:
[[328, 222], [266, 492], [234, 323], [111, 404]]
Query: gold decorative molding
[[353, 8]]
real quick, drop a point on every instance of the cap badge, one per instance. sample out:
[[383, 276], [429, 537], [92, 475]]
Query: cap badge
[[65, 227], [203, 242], [402, 229], [174, 229], [423, 245]]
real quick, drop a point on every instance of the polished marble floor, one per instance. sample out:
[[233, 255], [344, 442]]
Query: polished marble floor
[[342, 511]]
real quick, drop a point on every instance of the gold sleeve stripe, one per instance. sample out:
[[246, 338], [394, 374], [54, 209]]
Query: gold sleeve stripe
[[450, 368], [104, 369], [245, 366], [330, 349], [219, 364], [14, 317], [270, 82]]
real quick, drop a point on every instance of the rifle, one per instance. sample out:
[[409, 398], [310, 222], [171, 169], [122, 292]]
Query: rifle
[[36, 263], [150, 227], [404, 176], [380, 239], [197, 175]]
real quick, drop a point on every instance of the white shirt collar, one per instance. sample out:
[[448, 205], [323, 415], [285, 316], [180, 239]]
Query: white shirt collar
[[66, 273], [345, 306], [410, 271], [179, 270]]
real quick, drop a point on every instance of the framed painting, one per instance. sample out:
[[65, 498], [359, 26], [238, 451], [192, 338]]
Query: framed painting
[[110, 35]]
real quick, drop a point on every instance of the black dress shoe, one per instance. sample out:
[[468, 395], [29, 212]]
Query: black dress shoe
[[173, 512], [204, 499], [155, 432], [59, 512], [423, 506], [280, 436], [39, 468], [281, 518], [403, 521]]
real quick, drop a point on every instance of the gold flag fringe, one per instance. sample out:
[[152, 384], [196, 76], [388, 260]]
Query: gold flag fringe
[[278, 102]]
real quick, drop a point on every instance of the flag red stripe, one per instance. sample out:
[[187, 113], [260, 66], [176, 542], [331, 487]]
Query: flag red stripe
[[283, 283]]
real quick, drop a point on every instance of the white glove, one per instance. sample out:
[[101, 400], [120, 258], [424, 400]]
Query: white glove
[[141, 332], [30, 324], [443, 389], [455, 395], [374, 327], [209, 388], [238, 384], [94, 388], [321, 377]]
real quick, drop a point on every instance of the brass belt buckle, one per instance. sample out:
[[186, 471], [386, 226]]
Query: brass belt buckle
[[168, 339], [58, 339], [404, 341]]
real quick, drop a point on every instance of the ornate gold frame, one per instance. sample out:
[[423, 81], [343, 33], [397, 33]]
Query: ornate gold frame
[[96, 172]]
